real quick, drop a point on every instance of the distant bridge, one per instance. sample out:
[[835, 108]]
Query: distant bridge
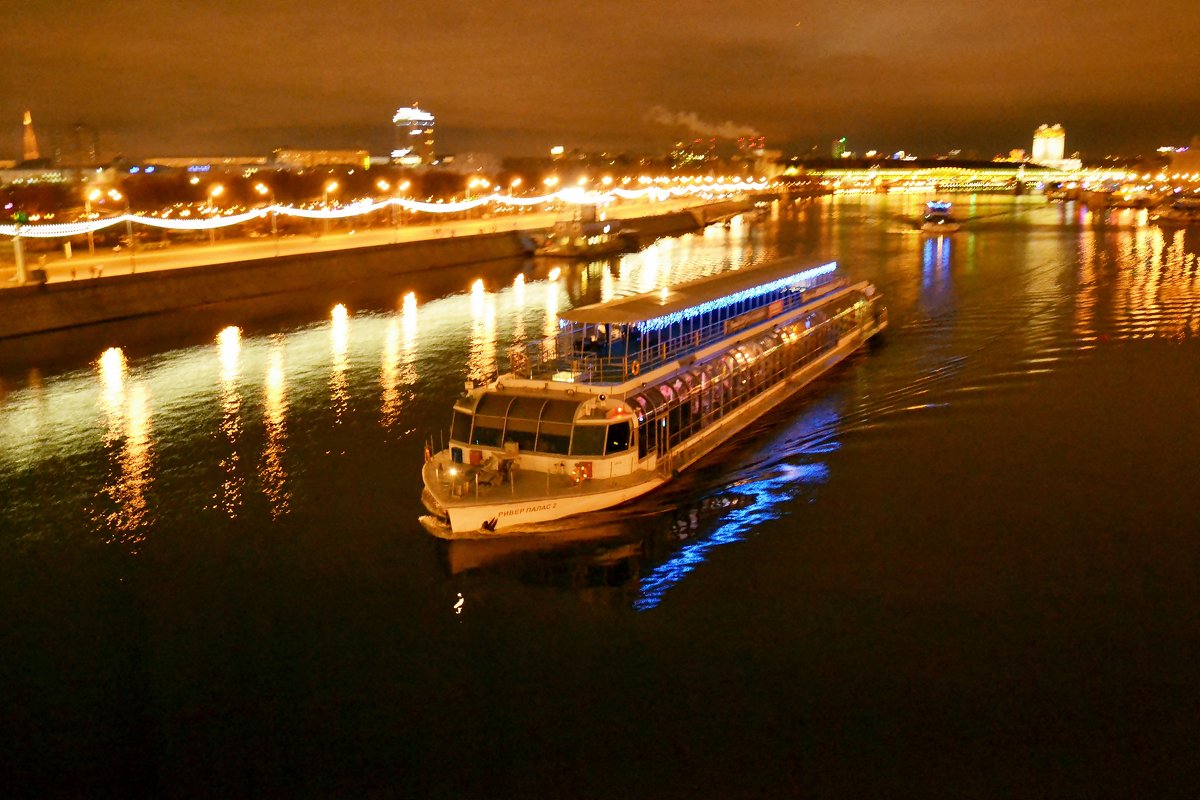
[[930, 174]]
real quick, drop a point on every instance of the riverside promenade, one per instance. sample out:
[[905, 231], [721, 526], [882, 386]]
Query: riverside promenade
[[108, 262], [114, 286]]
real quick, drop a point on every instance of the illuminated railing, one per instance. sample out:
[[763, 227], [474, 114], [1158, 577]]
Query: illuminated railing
[[573, 196]]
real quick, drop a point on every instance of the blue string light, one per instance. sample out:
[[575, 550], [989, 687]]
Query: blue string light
[[675, 317]]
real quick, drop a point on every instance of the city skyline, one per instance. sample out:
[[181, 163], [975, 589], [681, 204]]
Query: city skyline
[[515, 78]]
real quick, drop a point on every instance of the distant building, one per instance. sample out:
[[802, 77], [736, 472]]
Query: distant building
[[471, 163], [694, 154], [207, 163], [750, 146], [29, 175], [1049, 149], [414, 137], [1186, 160], [1049, 144], [839, 148], [307, 159], [29, 140]]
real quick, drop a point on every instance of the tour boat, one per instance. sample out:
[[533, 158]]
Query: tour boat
[[938, 218], [1184, 210], [586, 236], [632, 391]]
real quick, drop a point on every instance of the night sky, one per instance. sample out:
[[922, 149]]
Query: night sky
[[516, 76]]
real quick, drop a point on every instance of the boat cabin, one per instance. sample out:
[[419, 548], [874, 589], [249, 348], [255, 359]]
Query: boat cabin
[[614, 342]]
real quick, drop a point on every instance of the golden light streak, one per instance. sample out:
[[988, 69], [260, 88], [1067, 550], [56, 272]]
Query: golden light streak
[[271, 473], [389, 375], [229, 348], [127, 427], [481, 358], [339, 383]]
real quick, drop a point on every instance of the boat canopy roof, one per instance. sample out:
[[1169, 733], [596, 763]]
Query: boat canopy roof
[[652, 305]]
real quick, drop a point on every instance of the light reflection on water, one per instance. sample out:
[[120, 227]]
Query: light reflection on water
[[339, 386], [991, 307], [773, 486], [127, 430], [229, 497], [272, 474]]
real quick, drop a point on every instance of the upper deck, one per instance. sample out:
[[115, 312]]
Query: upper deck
[[614, 342]]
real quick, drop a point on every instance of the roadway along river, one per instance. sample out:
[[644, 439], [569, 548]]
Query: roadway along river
[[964, 563]]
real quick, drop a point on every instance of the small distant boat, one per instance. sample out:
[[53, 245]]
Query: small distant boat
[[586, 236], [1184, 210], [938, 218]]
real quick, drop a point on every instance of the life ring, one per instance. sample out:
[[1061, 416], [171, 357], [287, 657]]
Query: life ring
[[634, 368]]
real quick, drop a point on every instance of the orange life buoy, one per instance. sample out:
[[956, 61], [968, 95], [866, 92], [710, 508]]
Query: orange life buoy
[[635, 368]]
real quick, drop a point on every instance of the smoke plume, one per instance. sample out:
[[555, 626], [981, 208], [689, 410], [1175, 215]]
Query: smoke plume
[[692, 121]]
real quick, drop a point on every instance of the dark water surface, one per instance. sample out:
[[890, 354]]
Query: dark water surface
[[965, 564]]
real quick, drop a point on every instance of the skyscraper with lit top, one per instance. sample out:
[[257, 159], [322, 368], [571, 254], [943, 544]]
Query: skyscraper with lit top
[[1049, 144], [29, 148], [414, 137]]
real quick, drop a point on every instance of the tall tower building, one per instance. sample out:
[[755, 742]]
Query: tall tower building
[[31, 152], [414, 137], [1049, 144], [839, 147]]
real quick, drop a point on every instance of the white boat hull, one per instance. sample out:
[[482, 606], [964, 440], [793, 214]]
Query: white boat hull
[[492, 517], [481, 491]]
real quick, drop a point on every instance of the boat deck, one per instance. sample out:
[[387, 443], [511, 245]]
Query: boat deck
[[490, 484]]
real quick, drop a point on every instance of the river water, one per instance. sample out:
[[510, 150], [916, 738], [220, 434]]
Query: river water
[[964, 563]]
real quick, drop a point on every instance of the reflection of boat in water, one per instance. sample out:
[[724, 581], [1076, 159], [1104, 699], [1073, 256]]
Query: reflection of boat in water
[[632, 391], [612, 557], [587, 236], [1184, 210], [938, 218]]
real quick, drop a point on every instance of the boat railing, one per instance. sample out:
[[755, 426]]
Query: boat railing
[[565, 357]]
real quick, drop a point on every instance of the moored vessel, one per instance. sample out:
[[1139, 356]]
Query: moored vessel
[[1183, 210], [586, 236], [938, 218], [632, 391]]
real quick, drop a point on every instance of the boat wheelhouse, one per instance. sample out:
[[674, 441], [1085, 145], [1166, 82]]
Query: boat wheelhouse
[[631, 391], [938, 218]]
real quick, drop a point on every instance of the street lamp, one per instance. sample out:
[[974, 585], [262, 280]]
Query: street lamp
[[385, 187], [265, 190], [214, 191], [400, 190], [117, 196], [94, 194], [329, 187]]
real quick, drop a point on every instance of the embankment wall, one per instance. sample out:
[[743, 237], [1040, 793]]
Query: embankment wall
[[56, 306]]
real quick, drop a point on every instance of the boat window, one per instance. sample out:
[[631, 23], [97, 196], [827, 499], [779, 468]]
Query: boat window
[[489, 420], [494, 405], [521, 431], [588, 440], [526, 408], [487, 431], [559, 411], [460, 430], [618, 438], [554, 438]]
